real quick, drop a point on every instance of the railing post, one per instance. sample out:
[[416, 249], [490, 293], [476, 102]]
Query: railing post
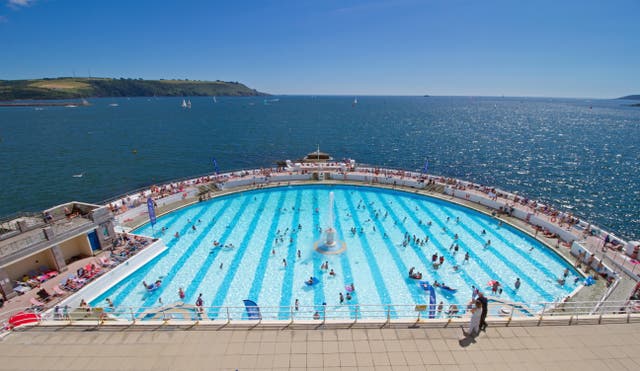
[[228, 316], [291, 314], [324, 314], [133, 317], [544, 309], [356, 319], [388, 314]]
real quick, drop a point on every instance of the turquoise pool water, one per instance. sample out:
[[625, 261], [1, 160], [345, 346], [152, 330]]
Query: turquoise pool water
[[260, 228]]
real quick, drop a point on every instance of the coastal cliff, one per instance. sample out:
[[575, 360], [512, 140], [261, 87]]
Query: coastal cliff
[[71, 88]]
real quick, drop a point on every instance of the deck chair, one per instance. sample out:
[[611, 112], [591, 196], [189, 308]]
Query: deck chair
[[57, 291], [43, 295], [106, 262], [36, 304]]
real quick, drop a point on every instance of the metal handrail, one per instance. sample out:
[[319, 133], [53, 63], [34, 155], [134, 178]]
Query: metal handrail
[[345, 312], [382, 314], [606, 295]]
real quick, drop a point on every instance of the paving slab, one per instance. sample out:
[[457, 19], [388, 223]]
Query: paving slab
[[580, 347]]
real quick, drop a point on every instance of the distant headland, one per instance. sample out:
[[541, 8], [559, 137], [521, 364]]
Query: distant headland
[[631, 97], [84, 87]]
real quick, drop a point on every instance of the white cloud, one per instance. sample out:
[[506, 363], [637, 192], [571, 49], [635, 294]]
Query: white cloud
[[19, 3]]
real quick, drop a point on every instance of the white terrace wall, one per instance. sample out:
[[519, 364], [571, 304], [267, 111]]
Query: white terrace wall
[[517, 213], [368, 178]]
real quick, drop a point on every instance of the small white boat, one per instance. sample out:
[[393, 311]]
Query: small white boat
[[189, 104], [78, 175], [113, 105], [184, 104], [214, 99], [355, 101]]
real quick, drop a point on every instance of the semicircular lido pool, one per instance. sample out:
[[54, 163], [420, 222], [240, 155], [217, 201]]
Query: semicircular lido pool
[[234, 247]]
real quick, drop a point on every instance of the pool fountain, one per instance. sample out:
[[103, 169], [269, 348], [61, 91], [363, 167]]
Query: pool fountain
[[330, 245]]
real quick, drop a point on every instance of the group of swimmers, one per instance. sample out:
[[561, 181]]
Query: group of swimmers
[[217, 243], [437, 262], [562, 280], [416, 241], [348, 296], [414, 274]]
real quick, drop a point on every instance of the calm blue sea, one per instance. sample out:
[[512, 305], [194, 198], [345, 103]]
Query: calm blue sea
[[579, 155]]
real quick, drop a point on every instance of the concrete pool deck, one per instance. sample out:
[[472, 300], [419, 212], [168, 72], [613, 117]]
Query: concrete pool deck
[[581, 347]]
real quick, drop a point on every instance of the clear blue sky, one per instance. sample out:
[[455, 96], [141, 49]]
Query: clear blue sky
[[398, 47]]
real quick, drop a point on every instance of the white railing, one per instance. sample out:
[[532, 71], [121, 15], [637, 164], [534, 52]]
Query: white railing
[[630, 266], [347, 314]]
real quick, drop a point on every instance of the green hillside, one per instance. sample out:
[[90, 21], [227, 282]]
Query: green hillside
[[71, 88]]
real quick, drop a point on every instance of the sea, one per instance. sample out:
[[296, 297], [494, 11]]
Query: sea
[[578, 155]]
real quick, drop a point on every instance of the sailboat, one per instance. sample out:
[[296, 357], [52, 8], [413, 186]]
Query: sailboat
[[189, 104], [214, 99], [184, 104], [355, 101]]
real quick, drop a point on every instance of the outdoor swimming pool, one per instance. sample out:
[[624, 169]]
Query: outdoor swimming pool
[[257, 229]]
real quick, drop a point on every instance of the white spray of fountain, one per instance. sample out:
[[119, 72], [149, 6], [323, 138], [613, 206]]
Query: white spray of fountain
[[330, 245]]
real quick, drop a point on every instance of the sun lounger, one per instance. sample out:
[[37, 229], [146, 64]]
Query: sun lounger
[[57, 291], [36, 303], [21, 288], [120, 258], [46, 271], [71, 284], [43, 295], [106, 262]]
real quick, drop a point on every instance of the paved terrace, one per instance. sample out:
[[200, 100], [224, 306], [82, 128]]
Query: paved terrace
[[582, 347]]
